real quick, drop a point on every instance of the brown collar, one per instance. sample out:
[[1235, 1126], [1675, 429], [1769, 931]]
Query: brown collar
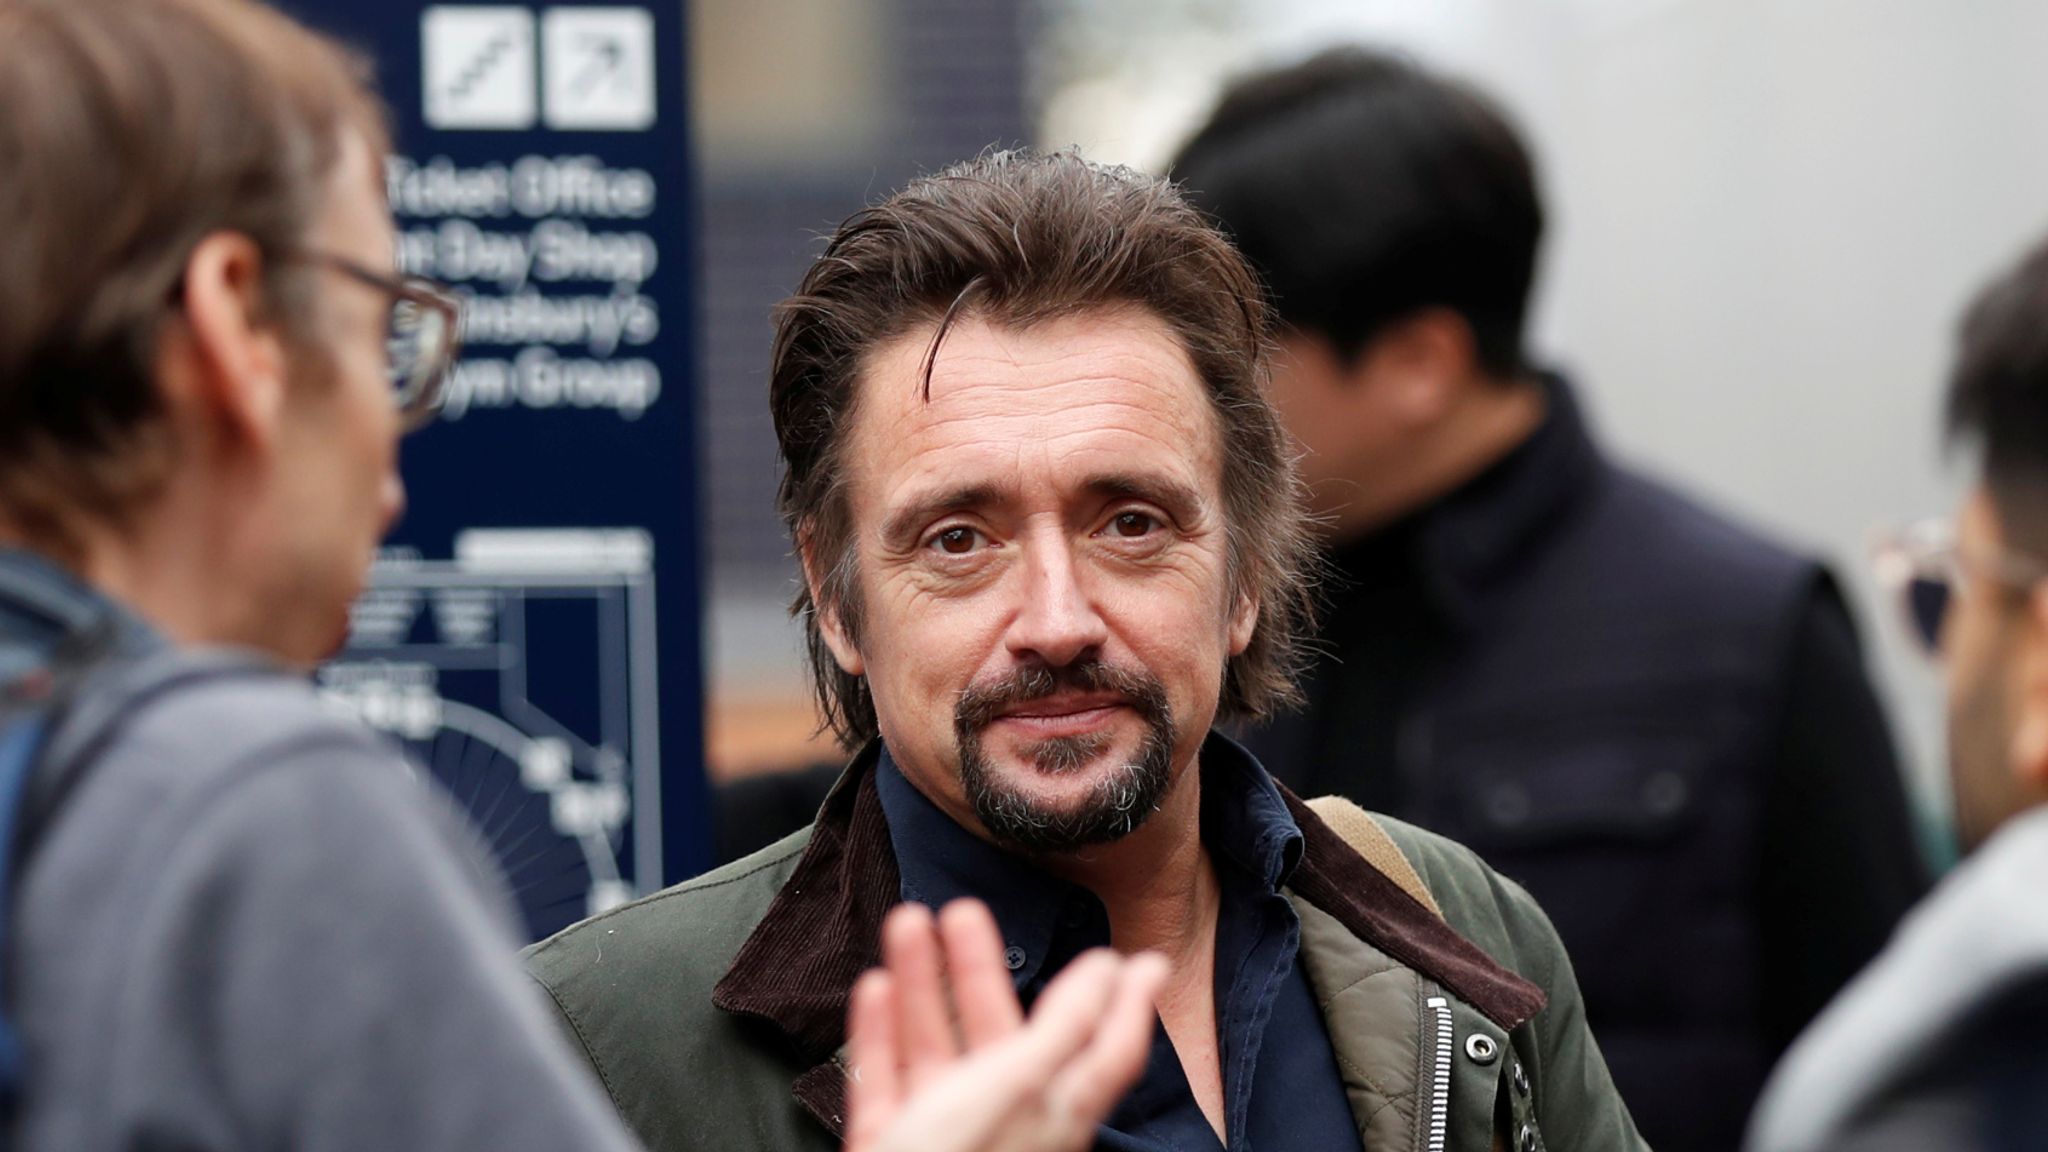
[[824, 928]]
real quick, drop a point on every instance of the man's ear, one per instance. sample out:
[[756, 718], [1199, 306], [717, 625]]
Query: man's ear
[[227, 366], [1244, 623], [2030, 722], [1419, 361], [823, 608]]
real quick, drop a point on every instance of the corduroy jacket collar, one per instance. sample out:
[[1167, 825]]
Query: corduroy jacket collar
[[797, 970]]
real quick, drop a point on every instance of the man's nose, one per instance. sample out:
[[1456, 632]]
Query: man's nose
[[1058, 622]]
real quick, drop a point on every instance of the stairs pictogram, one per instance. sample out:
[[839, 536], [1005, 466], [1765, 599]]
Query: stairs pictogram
[[493, 54]]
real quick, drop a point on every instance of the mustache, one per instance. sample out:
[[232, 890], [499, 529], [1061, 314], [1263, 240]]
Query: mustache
[[981, 703]]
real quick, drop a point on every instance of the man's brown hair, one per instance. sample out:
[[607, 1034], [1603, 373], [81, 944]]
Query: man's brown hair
[[129, 131], [1018, 238]]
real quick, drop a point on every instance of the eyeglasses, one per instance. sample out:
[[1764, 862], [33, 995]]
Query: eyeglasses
[[423, 334], [1924, 570]]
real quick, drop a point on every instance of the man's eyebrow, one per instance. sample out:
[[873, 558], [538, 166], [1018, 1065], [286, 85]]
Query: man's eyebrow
[[1174, 496], [902, 525]]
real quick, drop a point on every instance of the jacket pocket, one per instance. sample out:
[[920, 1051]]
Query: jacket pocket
[[1615, 784]]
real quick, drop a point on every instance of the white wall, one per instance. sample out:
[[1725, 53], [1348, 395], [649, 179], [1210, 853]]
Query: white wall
[[1766, 216]]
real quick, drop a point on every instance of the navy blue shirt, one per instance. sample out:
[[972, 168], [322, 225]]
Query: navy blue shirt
[[1281, 1086]]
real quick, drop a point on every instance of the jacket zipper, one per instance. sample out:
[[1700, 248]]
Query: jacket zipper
[[1439, 1089]]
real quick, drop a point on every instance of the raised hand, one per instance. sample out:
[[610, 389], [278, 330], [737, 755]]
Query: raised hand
[[942, 1059]]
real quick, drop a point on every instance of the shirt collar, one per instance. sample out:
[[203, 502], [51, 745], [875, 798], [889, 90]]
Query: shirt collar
[[1245, 820], [1245, 824], [940, 862]]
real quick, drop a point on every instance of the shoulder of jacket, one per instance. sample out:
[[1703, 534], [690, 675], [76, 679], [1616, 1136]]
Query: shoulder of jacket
[[1484, 906], [1652, 514], [1440, 859], [690, 931], [222, 726], [633, 988], [196, 688]]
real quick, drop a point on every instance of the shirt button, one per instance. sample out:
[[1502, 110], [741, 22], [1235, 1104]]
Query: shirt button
[[1481, 1048], [1528, 1140], [1014, 957], [1521, 1080]]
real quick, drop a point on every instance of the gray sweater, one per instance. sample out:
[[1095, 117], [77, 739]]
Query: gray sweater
[[1939, 1044], [251, 928]]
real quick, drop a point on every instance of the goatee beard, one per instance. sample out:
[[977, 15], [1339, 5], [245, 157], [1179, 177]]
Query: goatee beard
[[1117, 805]]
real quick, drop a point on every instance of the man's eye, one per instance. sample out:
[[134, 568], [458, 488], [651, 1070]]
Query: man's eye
[[956, 541], [1132, 525]]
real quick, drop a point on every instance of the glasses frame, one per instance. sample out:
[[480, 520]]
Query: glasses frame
[[1926, 553], [418, 398]]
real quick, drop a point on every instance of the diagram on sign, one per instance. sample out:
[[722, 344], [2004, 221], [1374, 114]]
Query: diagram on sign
[[521, 676], [592, 69]]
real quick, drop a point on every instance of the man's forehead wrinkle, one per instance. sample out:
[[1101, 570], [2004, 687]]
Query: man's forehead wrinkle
[[907, 442], [1112, 414], [1023, 416], [1081, 367], [1116, 336], [1091, 351], [980, 445]]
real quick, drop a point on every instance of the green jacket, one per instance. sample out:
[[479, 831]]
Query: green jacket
[[714, 1011]]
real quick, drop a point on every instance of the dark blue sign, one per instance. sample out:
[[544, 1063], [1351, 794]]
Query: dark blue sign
[[534, 633]]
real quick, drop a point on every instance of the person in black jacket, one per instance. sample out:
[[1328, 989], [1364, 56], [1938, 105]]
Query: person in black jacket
[[1653, 718]]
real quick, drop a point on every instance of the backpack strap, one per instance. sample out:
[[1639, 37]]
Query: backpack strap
[[54, 724], [1357, 828], [31, 704], [93, 714]]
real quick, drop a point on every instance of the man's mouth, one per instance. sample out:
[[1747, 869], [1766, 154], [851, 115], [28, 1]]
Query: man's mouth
[[1062, 715]]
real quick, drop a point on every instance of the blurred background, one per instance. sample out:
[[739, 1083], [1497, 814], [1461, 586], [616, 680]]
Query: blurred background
[[1764, 220]]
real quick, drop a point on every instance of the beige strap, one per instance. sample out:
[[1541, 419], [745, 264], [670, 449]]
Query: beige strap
[[1365, 836]]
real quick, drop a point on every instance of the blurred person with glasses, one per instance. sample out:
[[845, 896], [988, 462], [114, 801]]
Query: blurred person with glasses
[[230, 919], [1942, 1043]]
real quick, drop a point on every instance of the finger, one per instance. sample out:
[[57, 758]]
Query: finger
[[874, 1086], [924, 1029], [1068, 1013], [984, 1102], [983, 990], [998, 1099], [1089, 1085]]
